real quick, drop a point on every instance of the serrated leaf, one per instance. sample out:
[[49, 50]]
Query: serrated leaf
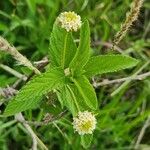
[[31, 94], [86, 140], [87, 91], [61, 96], [62, 47], [83, 52], [108, 63], [70, 100]]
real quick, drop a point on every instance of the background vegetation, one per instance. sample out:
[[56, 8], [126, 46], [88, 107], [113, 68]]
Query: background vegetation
[[124, 107]]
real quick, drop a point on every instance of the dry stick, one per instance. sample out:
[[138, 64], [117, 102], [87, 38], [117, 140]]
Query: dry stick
[[35, 138], [142, 132], [19, 117], [13, 72], [42, 62], [7, 92], [131, 17], [106, 81], [45, 122], [129, 80], [108, 45], [6, 47], [10, 91]]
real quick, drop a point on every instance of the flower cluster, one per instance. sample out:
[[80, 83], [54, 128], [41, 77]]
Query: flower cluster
[[84, 123], [69, 21]]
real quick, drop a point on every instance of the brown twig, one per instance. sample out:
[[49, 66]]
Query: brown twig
[[7, 92], [19, 117], [13, 72], [48, 120], [40, 66], [108, 45], [107, 82], [142, 132], [6, 47], [117, 90]]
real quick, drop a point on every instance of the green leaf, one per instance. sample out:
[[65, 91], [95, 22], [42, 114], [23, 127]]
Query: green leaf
[[86, 140], [31, 94], [83, 52], [108, 63], [61, 96], [62, 47], [71, 100], [66, 97], [87, 91]]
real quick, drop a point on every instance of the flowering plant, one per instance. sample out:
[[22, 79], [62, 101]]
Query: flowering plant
[[69, 74]]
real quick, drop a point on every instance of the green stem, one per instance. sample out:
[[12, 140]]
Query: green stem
[[40, 143], [64, 51], [79, 88], [74, 98]]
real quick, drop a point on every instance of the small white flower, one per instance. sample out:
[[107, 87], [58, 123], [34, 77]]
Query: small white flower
[[84, 123], [67, 72], [69, 21]]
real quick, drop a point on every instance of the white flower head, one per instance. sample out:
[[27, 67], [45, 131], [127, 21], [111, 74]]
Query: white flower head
[[84, 123], [69, 21]]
